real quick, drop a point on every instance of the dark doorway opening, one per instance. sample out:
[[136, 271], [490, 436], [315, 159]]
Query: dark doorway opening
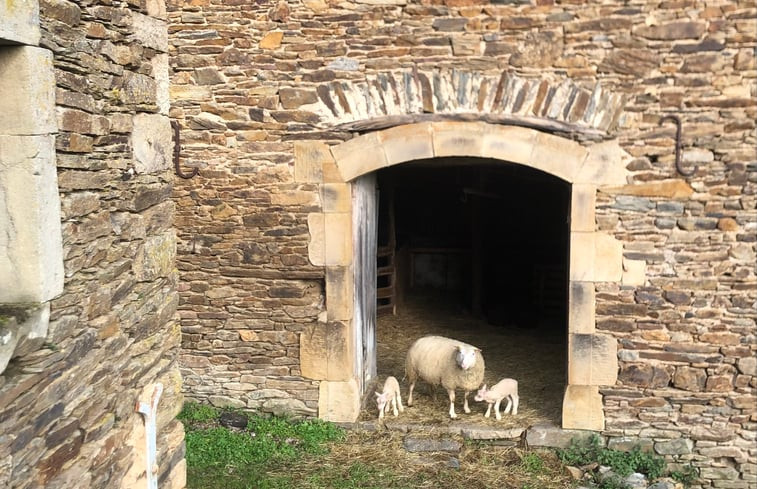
[[477, 250]]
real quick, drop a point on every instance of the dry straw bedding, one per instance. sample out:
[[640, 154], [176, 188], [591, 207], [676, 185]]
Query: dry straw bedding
[[481, 466], [533, 355]]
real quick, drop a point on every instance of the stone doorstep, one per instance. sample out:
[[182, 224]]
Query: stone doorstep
[[544, 435]]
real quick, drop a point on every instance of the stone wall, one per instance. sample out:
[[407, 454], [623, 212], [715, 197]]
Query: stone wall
[[249, 81], [67, 400]]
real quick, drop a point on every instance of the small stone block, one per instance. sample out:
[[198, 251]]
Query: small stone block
[[338, 239], [407, 143], [458, 138], [339, 293], [545, 435], [20, 21], [557, 156], [582, 208], [272, 40], [309, 159], [336, 197], [509, 143], [152, 143], [317, 241], [592, 359], [359, 155], [27, 90], [582, 408], [582, 305], [608, 259], [339, 401], [31, 247], [605, 164], [634, 272], [582, 256], [325, 351]]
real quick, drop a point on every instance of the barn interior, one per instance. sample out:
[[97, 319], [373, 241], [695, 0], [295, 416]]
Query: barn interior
[[476, 250]]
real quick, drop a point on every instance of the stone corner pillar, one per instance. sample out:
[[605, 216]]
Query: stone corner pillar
[[339, 402], [582, 408]]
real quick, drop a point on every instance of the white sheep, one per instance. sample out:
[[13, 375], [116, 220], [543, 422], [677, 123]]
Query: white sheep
[[389, 396], [446, 362], [505, 388]]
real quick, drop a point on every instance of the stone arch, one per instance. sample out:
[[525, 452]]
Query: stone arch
[[398, 97], [326, 351]]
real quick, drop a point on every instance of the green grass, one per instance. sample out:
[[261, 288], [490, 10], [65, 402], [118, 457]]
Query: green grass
[[281, 453], [239, 459]]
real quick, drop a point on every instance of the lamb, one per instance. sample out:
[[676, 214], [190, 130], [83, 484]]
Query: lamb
[[446, 362], [390, 395], [505, 388]]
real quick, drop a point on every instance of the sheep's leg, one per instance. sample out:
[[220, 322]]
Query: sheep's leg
[[516, 400], [452, 404], [496, 409], [399, 402], [488, 409], [410, 393], [394, 406], [465, 403], [381, 413], [509, 405]]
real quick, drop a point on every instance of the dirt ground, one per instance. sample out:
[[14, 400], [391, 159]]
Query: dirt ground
[[532, 354]]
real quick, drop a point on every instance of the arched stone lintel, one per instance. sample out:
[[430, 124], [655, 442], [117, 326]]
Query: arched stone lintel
[[594, 256], [566, 159]]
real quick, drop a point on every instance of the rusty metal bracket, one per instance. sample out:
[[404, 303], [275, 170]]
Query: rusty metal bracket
[[177, 153], [677, 120]]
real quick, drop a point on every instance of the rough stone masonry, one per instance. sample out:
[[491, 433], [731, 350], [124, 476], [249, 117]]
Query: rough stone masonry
[[260, 87], [88, 277], [255, 86]]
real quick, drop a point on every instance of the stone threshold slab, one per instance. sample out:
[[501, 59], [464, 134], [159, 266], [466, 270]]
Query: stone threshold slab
[[543, 435]]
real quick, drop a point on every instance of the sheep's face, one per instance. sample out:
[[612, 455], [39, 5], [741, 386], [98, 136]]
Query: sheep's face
[[480, 394], [381, 400], [466, 357]]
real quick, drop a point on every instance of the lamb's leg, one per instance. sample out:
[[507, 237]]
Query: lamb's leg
[[496, 409], [516, 400], [465, 403], [394, 405], [410, 393], [488, 409], [399, 402], [381, 413], [452, 404], [509, 405]]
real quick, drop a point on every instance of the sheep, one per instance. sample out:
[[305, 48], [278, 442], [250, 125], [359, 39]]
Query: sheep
[[505, 388], [390, 395], [446, 362]]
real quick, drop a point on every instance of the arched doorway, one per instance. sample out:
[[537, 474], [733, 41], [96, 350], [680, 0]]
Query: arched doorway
[[476, 249], [334, 350]]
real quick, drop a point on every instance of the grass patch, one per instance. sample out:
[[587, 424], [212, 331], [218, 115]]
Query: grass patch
[[239, 458], [280, 453]]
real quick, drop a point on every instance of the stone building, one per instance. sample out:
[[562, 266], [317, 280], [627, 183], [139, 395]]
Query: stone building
[[88, 297], [292, 110], [258, 274]]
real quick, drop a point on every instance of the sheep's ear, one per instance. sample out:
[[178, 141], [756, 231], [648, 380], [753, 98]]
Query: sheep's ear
[[377, 394], [484, 387]]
